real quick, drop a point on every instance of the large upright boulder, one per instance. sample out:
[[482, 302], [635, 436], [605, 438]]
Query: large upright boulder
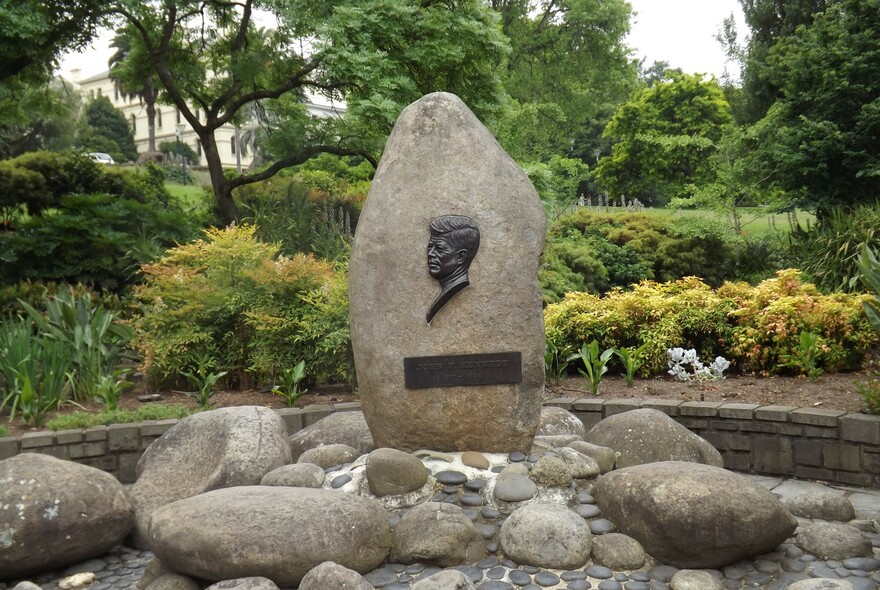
[[55, 513], [648, 436], [691, 515], [222, 448], [279, 533], [441, 161]]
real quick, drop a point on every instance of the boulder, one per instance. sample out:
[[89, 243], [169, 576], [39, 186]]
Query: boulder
[[172, 581], [332, 575], [326, 456], [221, 448], [347, 428], [298, 475], [581, 466], [552, 472], [604, 456], [824, 505], [546, 535], [55, 513], [440, 160], [834, 540], [821, 584], [254, 583], [514, 487], [445, 580], [674, 509], [276, 532], [438, 533], [618, 552], [649, 436], [694, 580], [391, 472], [558, 421]]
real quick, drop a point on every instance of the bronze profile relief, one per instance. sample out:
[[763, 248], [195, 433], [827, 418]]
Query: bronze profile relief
[[452, 246]]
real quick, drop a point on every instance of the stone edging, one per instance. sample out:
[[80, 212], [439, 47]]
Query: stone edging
[[812, 443]]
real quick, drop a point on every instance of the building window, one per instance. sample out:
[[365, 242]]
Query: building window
[[133, 125], [99, 93], [115, 94], [232, 146], [159, 117]]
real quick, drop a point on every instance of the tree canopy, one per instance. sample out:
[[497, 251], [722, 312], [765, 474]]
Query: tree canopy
[[377, 55], [662, 138]]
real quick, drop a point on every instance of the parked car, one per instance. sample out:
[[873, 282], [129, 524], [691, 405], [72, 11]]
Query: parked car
[[101, 158]]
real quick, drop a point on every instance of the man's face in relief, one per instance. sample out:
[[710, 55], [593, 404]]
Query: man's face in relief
[[443, 260]]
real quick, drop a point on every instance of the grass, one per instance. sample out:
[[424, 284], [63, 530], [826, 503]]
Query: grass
[[79, 420], [3, 431]]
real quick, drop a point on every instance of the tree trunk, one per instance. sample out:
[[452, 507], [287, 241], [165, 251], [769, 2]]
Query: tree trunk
[[151, 118], [222, 188]]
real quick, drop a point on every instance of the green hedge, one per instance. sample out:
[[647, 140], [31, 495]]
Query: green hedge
[[753, 327]]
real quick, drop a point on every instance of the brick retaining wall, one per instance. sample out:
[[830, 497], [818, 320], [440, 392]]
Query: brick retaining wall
[[810, 443]]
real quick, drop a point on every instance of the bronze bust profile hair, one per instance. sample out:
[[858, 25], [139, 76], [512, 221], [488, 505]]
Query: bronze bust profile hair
[[454, 242]]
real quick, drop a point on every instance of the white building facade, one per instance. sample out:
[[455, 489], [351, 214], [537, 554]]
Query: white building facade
[[171, 125]]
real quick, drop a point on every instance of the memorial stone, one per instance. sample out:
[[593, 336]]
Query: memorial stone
[[446, 320]]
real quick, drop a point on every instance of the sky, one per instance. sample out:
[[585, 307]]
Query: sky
[[681, 32]]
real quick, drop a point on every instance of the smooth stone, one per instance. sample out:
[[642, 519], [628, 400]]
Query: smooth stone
[[496, 573], [868, 564], [451, 477], [580, 465], [475, 460], [380, 577], [559, 421], [489, 512], [821, 584], [332, 575], [618, 552], [445, 580], [437, 533], [519, 577], [599, 572], [450, 490], [471, 499], [474, 574], [694, 580], [495, 585], [546, 535], [516, 456], [488, 562], [551, 472], [601, 526], [570, 575], [587, 510], [663, 573], [824, 505], [475, 485], [585, 498], [339, 481], [487, 531], [391, 472], [546, 579], [829, 540], [515, 488], [609, 585]]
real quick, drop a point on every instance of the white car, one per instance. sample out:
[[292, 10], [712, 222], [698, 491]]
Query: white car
[[101, 158]]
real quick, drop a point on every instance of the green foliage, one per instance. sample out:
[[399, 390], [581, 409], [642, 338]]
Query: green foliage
[[110, 388], [754, 327], [204, 381], [829, 251], [818, 139], [557, 181], [179, 148], [595, 364], [107, 130], [36, 116], [805, 356], [34, 370], [631, 360], [869, 266], [663, 138], [290, 379], [228, 302], [3, 431], [77, 420], [555, 362]]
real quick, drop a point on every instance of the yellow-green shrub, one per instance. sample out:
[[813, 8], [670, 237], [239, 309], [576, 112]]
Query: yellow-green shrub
[[750, 326], [228, 303]]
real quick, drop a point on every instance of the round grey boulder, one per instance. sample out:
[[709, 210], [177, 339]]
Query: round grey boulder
[[557, 421], [580, 465], [833, 540], [617, 551], [683, 513], [55, 513], [604, 456], [276, 532], [298, 475], [694, 580], [332, 575], [514, 487], [445, 580], [221, 448], [254, 583], [649, 436], [330, 455], [348, 428], [391, 472], [823, 505], [438, 533], [546, 535], [551, 471]]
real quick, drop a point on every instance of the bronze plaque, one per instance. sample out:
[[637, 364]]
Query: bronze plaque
[[494, 368]]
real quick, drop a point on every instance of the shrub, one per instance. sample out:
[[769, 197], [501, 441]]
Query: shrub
[[227, 303], [757, 328], [87, 420]]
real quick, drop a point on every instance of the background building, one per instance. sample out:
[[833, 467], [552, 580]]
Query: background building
[[171, 125]]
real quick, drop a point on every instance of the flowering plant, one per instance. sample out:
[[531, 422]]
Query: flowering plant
[[679, 358]]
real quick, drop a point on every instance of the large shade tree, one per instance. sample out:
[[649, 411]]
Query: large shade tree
[[662, 138], [378, 55], [820, 141], [131, 70]]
